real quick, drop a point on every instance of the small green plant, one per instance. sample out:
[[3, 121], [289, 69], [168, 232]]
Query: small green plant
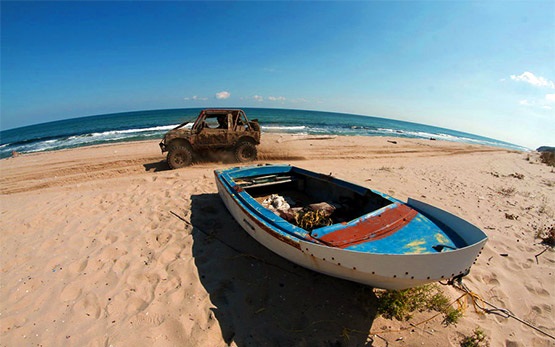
[[452, 316], [401, 304], [477, 339]]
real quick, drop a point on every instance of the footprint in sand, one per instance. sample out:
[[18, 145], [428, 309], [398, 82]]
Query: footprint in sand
[[110, 238], [144, 285], [536, 309], [11, 323], [120, 265], [168, 286], [509, 343], [163, 238], [71, 292], [126, 302], [491, 279], [528, 264], [135, 305], [537, 291], [153, 319], [78, 266], [89, 306], [169, 254]]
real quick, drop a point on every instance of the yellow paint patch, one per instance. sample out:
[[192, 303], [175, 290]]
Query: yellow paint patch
[[441, 239], [415, 247]]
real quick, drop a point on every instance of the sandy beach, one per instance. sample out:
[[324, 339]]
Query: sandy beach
[[105, 246]]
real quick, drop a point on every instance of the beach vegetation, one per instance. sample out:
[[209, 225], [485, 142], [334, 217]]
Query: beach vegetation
[[548, 157], [547, 235], [507, 191], [386, 168], [452, 315], [517, 175], [544, 208], [549, 183], [477, 339], [402, 304]]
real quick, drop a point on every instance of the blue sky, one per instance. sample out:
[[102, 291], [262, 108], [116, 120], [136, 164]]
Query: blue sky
[[483, 67]]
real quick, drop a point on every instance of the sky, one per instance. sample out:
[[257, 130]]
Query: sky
[[486, 68]]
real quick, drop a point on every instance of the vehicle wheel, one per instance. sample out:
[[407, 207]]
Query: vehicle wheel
[[179, 157], [245, 151]]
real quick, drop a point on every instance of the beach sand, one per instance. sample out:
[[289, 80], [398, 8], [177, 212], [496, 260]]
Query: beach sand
[[104, 246]]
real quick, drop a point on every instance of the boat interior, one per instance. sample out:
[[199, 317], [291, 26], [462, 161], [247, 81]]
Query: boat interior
[[342, 201], [331, 211]]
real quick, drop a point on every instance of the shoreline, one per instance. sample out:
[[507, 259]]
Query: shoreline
[[93, 254], [470, 141]]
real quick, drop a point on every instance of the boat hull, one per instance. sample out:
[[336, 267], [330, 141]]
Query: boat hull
[[388, 271]]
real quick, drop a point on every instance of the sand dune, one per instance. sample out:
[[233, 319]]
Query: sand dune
[[105, 246]]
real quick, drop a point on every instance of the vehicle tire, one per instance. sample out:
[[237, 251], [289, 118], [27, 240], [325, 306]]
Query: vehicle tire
[[245, 151], [179, 157]]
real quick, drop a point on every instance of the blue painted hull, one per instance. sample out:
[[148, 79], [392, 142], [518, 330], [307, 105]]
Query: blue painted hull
[[374, 239]]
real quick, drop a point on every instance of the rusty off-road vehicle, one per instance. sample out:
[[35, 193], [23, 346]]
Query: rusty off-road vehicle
[[214, 130]]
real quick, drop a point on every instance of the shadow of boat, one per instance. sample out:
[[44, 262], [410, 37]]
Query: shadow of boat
[[261, 299]]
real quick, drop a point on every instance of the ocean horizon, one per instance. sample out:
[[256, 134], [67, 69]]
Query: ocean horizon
[[152, 124]]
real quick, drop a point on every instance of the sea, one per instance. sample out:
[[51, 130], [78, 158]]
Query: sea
[[152, 124]]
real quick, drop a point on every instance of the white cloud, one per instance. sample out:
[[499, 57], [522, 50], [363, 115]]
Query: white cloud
[[195, 97], [276, 98], [258, 98], [544, 104], [223, 95], [534, 80]]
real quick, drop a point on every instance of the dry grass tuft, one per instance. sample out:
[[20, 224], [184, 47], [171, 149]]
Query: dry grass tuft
[[547, 236], [517, 175], [509, 191]]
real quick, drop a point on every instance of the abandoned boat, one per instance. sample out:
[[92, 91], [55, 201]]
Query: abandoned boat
[[348, 231]]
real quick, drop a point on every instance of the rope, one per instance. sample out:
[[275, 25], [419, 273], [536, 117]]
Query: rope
[[478, 302]]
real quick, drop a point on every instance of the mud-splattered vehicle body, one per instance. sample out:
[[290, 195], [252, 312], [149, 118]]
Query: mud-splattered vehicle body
[[213, 130]]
